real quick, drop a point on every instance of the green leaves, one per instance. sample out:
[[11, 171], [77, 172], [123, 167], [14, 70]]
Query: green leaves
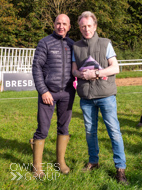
[[23, 23]]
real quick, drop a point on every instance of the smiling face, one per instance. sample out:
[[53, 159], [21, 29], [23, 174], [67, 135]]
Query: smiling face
[[62, 25], [87, 27]]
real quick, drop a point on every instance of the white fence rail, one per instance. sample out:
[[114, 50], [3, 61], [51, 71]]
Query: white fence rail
[[15, 60], [129, 62]]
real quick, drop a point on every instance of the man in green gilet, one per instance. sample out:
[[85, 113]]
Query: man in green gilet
[[95, 66]]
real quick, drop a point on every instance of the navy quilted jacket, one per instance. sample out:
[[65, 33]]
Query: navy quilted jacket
[[52, 64]]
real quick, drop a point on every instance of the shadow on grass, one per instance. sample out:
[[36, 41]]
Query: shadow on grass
[[128, 121], [123, 121], [132, 148], [77, 115], [133, 178], [24, 148], [136, 179]]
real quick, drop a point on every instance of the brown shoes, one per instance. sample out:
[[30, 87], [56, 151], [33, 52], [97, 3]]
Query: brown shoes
[[90, 167], [121, 178]]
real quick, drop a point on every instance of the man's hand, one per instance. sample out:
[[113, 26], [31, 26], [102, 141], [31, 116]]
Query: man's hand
[[89, 74], [47, 98]]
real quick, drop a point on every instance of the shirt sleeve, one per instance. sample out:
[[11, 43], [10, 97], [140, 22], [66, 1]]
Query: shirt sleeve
[[73, 58], [110, 51]]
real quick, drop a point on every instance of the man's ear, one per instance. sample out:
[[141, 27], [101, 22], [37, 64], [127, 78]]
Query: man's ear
[[69, 27], [95, 27]]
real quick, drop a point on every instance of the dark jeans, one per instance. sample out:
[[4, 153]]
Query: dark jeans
[[63, 101]]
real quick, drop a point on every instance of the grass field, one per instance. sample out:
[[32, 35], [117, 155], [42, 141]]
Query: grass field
[[129, 74], [18, 123]]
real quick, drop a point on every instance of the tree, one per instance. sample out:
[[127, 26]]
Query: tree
[[135, 24], [47, 11], [111, 15], [10, 25], [23, 23]]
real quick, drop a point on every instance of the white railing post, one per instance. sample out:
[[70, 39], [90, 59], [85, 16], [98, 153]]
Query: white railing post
[[20, 60], [120, 67], [15, 60], [129, 62]]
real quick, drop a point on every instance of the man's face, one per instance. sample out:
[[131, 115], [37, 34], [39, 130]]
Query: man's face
[[62, 25], [87, 27]]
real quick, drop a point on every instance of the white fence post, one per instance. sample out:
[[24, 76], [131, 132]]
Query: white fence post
[[15, 60]]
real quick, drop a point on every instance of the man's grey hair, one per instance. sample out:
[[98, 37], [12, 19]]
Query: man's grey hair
[[87, 14]]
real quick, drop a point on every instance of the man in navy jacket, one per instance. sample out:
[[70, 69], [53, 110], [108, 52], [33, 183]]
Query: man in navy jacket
[[54, 83]]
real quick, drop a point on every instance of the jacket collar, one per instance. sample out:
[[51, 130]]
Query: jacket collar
[[59, 36], [92, 40]]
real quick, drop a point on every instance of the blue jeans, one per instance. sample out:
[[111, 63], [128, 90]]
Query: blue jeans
[[108, 110]]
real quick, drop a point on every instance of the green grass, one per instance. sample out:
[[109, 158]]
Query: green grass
[[129, 74], [18, 123]]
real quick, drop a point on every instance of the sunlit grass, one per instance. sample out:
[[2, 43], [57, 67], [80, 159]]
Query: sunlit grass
[[18, 123]]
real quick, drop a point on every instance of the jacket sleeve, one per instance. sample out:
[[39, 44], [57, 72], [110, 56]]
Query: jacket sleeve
[[40, 58]]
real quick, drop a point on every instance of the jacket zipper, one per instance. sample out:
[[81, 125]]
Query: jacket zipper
[[62, 82], [90, 82]]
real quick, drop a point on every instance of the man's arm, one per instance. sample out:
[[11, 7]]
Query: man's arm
[[47, 98], [76, 72], [112, 69], [38, 63], [37, 67]]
